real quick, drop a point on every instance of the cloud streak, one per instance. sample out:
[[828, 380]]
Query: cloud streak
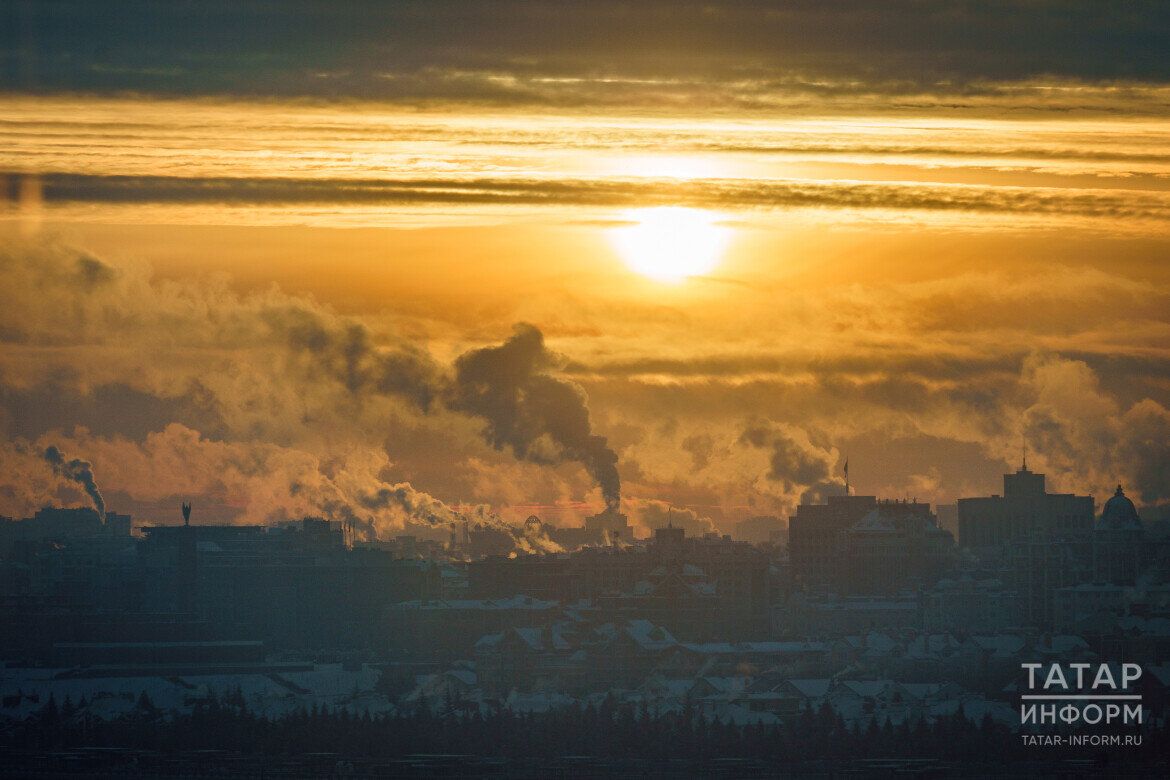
[[731, 194]]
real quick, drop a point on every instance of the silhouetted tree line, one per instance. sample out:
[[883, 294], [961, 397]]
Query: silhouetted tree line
[[610, 730]]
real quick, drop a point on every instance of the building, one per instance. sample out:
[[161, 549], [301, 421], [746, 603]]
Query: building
[[835, 616], [1118, 537], [761, 529], [814, 535], [59, 524], [896, 544], [299, 586], [969, 604], [1024, 510], [862, 544], [610, 527], [948, 518]]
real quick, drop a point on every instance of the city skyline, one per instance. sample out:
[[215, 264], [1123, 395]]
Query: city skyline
[[529, 388]]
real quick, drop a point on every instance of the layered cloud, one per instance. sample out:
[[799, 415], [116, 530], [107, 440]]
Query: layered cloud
[[265, 405], [300, 405], [554, 53], [613, 192], [947, 221], [359, 164]]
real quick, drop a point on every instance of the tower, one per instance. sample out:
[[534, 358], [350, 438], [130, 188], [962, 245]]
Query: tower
[[187, 568]]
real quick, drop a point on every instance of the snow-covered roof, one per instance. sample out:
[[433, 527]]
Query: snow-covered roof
[[464, 676], [811, 688], [649, 636], [868, 689], [726, 684], [702, 589], [922, 690], [999, 644], [874, 642], [755, 648], [530, 637], [488, 641], [931, 646], [668, 686], [1146, 626], [875, 521], [1061, 644]]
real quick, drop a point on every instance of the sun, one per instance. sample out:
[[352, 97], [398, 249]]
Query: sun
[[670, 243]]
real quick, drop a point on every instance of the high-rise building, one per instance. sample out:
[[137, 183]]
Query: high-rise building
[[815, 535], [896, 544], [1024, 510]]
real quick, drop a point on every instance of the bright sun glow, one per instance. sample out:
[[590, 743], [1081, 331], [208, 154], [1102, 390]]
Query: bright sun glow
[[667, 166], [669, 243]]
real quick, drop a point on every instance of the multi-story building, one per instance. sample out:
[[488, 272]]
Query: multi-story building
[[815, 536], [862, 544], [897, 544], [1024, 510], [1118, 549]]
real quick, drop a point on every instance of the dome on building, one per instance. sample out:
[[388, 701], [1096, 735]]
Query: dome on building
[[1119, 514]]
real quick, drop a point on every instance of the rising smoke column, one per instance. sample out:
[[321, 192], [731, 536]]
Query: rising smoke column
[[538, 417], [797, 462], [79, 471], [430, 511]]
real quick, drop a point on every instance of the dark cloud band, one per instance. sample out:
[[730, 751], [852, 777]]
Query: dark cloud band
[[424, 50], [609, 192]]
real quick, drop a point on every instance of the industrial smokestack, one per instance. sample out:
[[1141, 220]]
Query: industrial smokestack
[[79, 471]]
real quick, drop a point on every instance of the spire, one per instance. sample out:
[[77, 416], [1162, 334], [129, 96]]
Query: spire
[[846, 475], [1024, 450], [186, 513]]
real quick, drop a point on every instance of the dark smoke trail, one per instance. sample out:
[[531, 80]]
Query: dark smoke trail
[[540, 418], [79, 471]]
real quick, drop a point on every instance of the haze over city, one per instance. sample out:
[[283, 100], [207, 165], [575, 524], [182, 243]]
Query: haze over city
[[539, 388]]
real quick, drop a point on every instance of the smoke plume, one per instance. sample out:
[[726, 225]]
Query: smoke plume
[[430, 511], [538, 417], [79, 471], [796, 462]]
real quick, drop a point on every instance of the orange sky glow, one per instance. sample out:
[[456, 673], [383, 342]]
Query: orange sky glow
[[744, 294]]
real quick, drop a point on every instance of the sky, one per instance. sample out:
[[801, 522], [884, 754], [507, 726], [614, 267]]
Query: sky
[[401, 263]]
